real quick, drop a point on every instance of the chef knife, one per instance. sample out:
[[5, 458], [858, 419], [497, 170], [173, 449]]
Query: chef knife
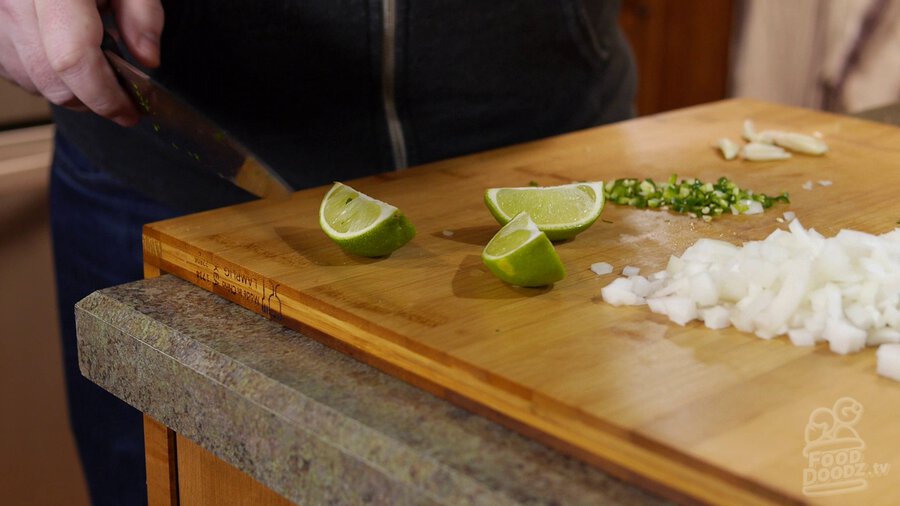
[[186, 130]]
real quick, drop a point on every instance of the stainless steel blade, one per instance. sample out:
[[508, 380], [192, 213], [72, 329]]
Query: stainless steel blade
[[189, 132]]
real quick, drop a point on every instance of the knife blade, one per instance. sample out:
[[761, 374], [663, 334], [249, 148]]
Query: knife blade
[[209, 147]]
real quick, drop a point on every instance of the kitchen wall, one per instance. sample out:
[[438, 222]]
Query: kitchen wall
[[38, 463], [838, 55], [17, 107]]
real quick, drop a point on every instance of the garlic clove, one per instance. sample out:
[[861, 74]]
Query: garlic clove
[[728, 148], [759, 152], [800, 143], [749, 131]]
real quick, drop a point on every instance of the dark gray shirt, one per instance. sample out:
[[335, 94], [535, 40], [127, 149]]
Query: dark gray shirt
[[339, 89]]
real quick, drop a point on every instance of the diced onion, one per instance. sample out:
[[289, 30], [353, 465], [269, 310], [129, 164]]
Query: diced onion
[[601, 268], [843, 290], [631, 271], [888, 358], [620, 293]]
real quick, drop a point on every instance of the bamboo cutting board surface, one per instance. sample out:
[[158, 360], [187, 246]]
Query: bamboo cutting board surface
[[696, 414]]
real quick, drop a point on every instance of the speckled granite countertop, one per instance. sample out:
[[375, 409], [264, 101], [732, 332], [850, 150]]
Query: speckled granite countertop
[[308, 422]]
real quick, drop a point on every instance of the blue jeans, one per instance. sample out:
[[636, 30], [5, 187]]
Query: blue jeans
[[96, 225]]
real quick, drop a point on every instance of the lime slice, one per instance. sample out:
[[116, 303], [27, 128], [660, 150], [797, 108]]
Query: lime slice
[[362, 225], [521, 254], [562, 212]]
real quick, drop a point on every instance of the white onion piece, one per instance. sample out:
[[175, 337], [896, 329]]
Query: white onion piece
[[843, 337], [631, 271], [641, 286], [716, 317], [843, 290], [888, 358], [601, 268], [680, 309], [620, 293], [801, 337], [884, 336]]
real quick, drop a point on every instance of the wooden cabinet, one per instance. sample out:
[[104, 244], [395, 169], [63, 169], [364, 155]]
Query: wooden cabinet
[[181, 473], [681, 48]]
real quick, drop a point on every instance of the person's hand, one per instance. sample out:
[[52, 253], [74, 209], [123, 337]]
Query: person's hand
[[52, 48]]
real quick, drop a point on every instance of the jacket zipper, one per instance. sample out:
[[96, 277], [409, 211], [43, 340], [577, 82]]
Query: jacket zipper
[[389, 82]]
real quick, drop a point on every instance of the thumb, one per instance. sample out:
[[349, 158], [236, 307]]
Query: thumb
[[140, 24]]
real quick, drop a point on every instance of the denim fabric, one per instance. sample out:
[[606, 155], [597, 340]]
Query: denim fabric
[[96, 225]]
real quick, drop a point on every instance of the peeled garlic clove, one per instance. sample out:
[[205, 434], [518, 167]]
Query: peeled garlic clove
[[759, 152], [728, 148], [749, 131], [800, 143], [769, 136]]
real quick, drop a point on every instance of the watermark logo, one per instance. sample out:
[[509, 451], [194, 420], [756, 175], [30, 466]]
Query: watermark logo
[[835, 452]]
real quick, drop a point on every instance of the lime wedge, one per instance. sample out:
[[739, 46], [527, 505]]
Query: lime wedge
[[522, 255], [362, 225], [562, 212]]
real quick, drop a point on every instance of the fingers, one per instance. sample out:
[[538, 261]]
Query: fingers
[[57, 55], [39, 77], [12, 68], [141, 23], [71, 32]]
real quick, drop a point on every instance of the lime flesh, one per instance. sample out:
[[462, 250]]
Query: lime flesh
[[562, 212], [521, 254], [362, 225]]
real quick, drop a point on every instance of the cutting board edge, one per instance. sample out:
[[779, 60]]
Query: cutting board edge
[[620, 452]]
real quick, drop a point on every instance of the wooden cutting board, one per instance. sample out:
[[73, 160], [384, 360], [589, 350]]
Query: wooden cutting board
[[696, 414]]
